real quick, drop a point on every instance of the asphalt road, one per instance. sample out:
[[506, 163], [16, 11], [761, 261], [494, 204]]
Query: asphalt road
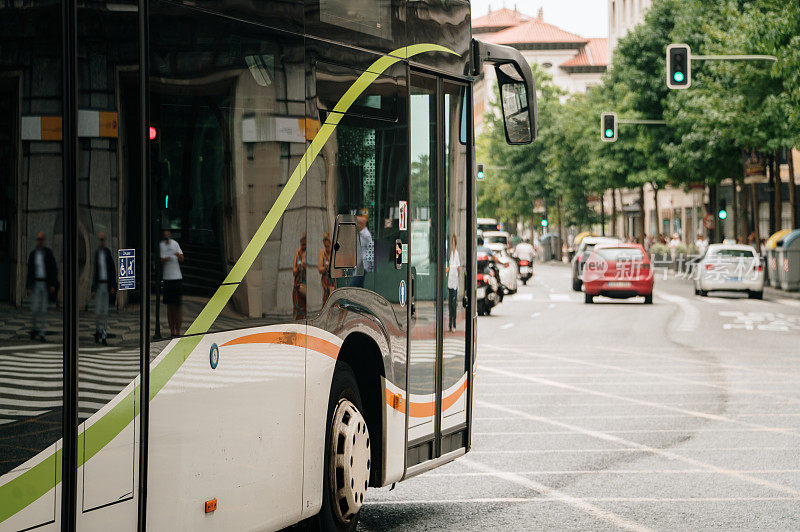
[[683, 415]]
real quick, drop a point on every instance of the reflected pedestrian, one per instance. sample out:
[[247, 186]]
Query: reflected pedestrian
[[299, 287], [324, 267], [365, 259], [171, 256], [41, 284], [104, 286], [453, 275]]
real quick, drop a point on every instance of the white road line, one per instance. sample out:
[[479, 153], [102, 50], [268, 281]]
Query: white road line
[[697, 362], [628, 431], [642, 402], [507, 326], [656, 451], [536, 314], [556, 495], [588, 472], [626, 450], [522, 297], [627, 370], [560, 297], [551, 306], [585, 500], [690, 316]]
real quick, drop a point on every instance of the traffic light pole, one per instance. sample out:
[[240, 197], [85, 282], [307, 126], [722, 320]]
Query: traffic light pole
[[734, 58]]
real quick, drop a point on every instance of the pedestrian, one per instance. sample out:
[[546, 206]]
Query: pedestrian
[[365, 259], [674, 243], [41, 286], [171, 256], [701, 244], [299, 283], [453, 275], [324, 267], [104, 286]]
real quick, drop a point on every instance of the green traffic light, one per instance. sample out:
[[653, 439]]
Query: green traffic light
[[723, 214], [678, 77], [609, 133], [544, 223]]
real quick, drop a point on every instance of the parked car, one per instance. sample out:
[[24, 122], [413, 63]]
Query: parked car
[[585, 248], [488, 293], [730, 267], [618, 271], [508, 271]]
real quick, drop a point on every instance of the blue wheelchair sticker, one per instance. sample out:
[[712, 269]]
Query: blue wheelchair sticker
[[213, 356]]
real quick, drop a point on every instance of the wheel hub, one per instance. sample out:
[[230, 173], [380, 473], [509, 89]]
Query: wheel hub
[[350, 460]]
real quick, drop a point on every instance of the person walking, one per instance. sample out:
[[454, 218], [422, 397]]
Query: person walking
[[104, 286], [41, 285], [171, 256], [324, 267], [299, 284], [453, 275]]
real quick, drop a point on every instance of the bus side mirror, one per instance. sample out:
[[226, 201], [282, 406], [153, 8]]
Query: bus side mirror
[[517, 88], [344, 262]]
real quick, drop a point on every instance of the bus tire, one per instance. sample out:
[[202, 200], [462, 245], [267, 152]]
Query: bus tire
[[347, 454]]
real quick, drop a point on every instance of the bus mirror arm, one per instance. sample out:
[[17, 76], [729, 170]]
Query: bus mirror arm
[[520, 124]]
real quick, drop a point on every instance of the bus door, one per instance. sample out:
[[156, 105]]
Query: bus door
[[438, 214]]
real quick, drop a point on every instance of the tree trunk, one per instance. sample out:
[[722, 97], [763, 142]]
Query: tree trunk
[[614, 212], [560, 226], [773, 185], [735, 182], [744, 226], [756, 221], [640, 230], [712, 210], [778, 193], [792, 189], [655, 229]]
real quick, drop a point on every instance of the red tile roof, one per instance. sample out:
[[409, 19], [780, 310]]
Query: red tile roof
[[595, 53], [534, 31], [502, 18]]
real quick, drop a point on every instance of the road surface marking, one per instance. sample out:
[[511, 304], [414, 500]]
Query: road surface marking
[[619, 472], [556, 495], [507, 326], [522, 297], [629, 370], [551, 306], [642, 402], [560, 297], [790, 302], [690, 316], [496, 500], [627, 450], [654, 450], [536, 314]]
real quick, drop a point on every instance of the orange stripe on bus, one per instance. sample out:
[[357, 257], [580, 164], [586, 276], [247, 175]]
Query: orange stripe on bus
[[423, 409], [289, 338]]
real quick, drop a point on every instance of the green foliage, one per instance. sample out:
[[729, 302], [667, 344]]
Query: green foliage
[[730, 107]]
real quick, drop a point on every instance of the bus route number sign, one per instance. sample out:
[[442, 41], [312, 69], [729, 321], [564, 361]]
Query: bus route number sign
[[127, 269]]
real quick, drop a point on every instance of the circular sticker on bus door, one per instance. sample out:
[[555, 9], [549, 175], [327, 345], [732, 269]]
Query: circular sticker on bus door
[[402, 293], [213, 356]]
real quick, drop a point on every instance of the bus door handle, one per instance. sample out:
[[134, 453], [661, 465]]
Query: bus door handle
[[413, 295]]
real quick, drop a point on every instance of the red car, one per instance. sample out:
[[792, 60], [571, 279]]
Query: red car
[[619, 271]]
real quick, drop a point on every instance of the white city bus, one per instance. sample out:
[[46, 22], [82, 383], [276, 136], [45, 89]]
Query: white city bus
[[226, 232]]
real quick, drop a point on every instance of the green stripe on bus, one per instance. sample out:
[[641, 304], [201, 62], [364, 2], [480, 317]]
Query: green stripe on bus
[[39, 479]]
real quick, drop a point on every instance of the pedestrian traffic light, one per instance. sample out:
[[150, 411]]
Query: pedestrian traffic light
[[481, 174], [608, 127], [723, 212], [544, 222], [679, 66]]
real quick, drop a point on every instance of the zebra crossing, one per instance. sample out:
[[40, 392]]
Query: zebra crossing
[[31, 379]]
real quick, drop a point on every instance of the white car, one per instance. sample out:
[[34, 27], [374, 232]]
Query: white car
[[730, 267], [508, 271], [496, 240]]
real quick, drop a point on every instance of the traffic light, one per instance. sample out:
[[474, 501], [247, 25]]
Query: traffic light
[[544, 222], [723, 212], [481, 174], [679, 66], [608, 127]]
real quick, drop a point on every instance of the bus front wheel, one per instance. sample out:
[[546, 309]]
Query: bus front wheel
[[347, 454]]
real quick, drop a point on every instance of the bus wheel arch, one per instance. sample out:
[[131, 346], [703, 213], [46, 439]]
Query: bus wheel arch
[[364, 357]]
